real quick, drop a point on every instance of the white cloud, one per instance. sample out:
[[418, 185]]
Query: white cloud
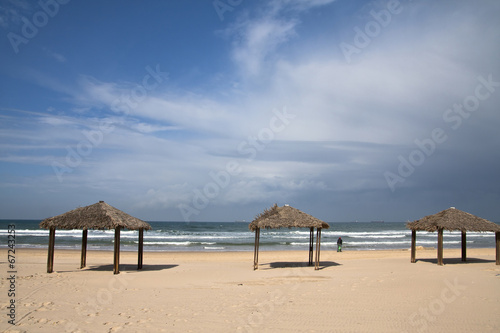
[[56, 121], [352, 120], [256, 40], [56, 56], [149, 128]]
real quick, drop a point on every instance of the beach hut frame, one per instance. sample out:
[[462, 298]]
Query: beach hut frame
[[99, 216], [289, 217], [452, 219]]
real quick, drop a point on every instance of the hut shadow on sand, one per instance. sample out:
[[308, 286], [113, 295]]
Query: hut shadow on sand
[[123, 268], [288, 264], [455, 261]]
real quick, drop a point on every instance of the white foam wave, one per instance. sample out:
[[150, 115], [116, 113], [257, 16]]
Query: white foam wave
[[379, 236], [376, 243], [169, 243]]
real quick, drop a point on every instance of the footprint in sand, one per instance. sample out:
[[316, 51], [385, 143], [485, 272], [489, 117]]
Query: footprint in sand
[[121, 314]]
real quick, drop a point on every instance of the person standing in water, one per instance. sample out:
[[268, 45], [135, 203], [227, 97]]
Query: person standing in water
[[339, 244]]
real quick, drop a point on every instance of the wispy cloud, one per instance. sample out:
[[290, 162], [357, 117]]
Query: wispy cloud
[[351, 120], [256, 38], [56, 56]]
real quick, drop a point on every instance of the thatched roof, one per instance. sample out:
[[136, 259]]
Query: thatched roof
[[97, 216], [453, 219], [286, 216]]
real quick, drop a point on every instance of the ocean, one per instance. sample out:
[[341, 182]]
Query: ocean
[[235, 236]]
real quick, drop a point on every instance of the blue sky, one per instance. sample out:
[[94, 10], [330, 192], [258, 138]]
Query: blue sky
[[215, 110]]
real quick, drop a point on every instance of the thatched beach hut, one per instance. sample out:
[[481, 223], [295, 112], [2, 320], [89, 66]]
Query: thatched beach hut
[[288, 217], [453, 219], [99, 216]]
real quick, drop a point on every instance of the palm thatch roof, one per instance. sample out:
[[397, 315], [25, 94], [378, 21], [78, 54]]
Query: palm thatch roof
[[286, 216], [97, 216], [453, 219]]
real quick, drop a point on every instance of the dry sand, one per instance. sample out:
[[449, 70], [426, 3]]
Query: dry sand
[[373, 291]]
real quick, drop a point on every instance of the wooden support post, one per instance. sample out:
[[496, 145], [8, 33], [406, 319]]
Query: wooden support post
[[83, 261], [464, 246], [140, 250], [50, 257], [413, 245], [497, 240], [256, 249], [116, 261], [311, 245], [318, 247], [440, 247]]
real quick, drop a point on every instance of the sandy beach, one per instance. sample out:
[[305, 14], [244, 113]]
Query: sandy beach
[[358, 291]]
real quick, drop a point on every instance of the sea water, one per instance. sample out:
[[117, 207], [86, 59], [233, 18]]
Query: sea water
[[235, 236]]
